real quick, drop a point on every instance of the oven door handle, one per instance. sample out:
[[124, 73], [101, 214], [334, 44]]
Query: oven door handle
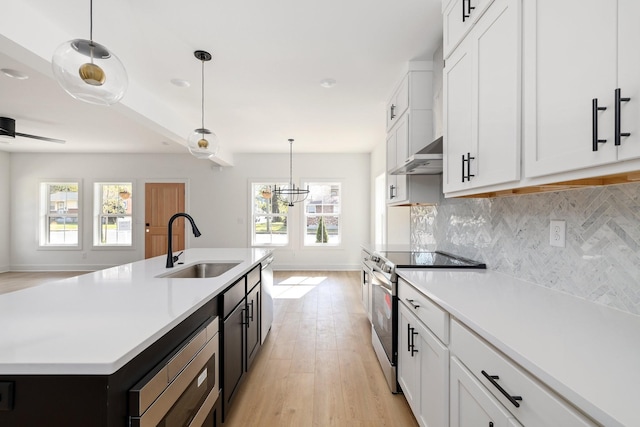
[[382, 280]]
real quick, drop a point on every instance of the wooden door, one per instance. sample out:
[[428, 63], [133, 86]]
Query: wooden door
[[162, 200]]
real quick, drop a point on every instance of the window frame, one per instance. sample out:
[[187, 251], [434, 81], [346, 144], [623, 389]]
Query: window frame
[[305, 215], [45, 215], [254, 186], [97, 215]]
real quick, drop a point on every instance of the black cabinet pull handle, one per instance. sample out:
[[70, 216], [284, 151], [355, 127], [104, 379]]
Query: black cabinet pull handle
[[251, 305], [392, 192], [413, 342], [245, 317], [466, 14], [393, 112], [468, 175], [490, 423], [618, 100], [410, 301], [492, 379], [409, 337], [594, 124]]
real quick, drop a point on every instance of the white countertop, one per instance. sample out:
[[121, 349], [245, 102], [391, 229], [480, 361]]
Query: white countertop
[[588, 353], [95, 323]]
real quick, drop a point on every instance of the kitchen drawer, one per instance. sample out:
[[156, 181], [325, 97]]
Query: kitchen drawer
[[435, 318], [253, 277], [233, 296], [539, 405]]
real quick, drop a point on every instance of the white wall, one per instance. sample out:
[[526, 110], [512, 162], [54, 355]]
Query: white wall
[[217, 198], [5, 214]]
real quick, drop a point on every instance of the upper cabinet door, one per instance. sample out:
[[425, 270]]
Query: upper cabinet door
[[458, 116], [569, 60], [497, 39], [629, 77], [458, 18]]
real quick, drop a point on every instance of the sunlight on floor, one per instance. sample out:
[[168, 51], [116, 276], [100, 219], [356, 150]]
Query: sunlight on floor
[[295, 287]]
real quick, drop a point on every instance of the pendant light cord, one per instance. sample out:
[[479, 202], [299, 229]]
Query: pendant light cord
[[291, 163], [202, 97], [91, 21]]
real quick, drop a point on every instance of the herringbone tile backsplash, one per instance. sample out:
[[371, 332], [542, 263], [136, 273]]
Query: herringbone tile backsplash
[[601, 260]]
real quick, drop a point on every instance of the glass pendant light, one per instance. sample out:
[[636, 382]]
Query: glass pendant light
[[88, 71], [290, 193], [203, 143]]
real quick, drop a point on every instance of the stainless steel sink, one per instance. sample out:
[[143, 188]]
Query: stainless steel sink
[[202, 270]]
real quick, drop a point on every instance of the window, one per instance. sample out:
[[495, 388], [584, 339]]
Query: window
[[322, 214], [113, 210], [59, 214], [269, 216]]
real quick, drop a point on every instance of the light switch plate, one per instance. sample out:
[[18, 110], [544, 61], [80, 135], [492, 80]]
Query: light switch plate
[[557, 232]]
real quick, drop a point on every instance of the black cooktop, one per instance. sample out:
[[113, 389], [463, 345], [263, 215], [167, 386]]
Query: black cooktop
[[429, 260]]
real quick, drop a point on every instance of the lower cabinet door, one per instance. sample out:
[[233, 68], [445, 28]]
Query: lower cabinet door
[[253, 324], [472, 405], [233, 355], [423, 370]]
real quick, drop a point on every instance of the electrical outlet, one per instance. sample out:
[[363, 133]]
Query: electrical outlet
[[557, 232]]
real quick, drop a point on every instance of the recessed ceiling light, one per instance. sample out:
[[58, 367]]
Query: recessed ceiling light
[[328, 83], [15, 74], [180, 82]]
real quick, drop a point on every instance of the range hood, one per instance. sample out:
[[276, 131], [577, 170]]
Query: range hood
[[427, 161]]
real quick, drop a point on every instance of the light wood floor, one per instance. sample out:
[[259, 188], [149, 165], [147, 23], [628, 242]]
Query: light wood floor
[[317, 367], [13, 281]]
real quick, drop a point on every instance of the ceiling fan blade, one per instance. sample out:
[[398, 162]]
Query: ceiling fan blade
[[41, 138]]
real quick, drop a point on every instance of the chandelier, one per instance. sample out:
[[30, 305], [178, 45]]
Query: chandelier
[[290, 193]]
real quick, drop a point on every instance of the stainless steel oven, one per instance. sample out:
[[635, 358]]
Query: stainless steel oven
[[382, 270], [182, 390], [384, 322]]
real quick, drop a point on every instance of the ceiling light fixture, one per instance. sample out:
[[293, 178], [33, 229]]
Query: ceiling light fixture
[[328, 83], [203, 143], [290, 193], [88, 71], [180, 82]]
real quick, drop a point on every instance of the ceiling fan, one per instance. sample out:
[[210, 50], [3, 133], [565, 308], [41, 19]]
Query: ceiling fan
[[8, 128]]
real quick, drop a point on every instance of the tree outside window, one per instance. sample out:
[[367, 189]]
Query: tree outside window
[[322, 210], [60, 210], [113, 217], [269, 216]]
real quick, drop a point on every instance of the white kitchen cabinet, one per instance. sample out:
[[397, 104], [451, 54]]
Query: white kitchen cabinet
[[628, 81], [458, 18], [410, 130], [423, 362], [398, 103], [526, 399], [565, 71], [482, 102], [413, 93], [472, 405]]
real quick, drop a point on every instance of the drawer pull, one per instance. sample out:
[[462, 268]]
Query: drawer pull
[[492, 379], [410, 301]]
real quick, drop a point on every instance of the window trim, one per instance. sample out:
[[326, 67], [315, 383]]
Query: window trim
[[96, 215], [44, 213], [310, 182], [251, 217]]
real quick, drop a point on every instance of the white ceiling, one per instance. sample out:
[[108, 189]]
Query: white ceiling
[[262, 87]]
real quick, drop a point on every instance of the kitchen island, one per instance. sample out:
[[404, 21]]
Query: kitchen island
[[90, 338]]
